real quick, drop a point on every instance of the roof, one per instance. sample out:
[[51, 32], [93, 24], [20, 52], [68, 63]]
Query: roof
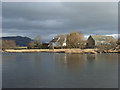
[[58, 38], [45, 43], [101, 38], [54, 40]]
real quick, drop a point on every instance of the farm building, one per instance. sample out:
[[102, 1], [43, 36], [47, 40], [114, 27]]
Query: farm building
[[58, 42], [45, 45], [95, 40]]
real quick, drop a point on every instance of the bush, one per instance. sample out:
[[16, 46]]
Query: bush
[[30, 45], [51, 47], [110, 46]]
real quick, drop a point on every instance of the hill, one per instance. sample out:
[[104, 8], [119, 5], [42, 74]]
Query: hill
[[19, 40]]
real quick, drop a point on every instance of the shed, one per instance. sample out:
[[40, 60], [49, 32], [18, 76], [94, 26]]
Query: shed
[[95, 40]]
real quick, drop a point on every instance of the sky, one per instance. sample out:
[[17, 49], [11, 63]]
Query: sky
[[48, 19]]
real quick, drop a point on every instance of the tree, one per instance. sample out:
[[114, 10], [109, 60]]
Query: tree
[[110, 46], [38, 42], [0, 44], [118, 42], [37, 39], [30, 45], [8, 44], [75, 40]]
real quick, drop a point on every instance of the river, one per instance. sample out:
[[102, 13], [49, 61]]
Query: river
[[59, 70]]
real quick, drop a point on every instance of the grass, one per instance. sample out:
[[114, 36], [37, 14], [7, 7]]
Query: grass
[[80, 51]]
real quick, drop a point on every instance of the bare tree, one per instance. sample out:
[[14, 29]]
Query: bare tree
[[75, 40], [30, 45], [118, 42], [37, 39], [38, 42], [0, 44], [8, 44]]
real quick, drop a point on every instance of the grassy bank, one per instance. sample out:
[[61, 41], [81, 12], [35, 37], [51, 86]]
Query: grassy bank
[[72, 51]]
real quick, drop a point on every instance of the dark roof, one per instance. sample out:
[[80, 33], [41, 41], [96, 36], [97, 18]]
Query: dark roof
[[45, 43], [101, 37], [54, 40]]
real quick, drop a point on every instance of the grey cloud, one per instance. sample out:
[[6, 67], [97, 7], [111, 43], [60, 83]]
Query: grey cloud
[[50, 18]]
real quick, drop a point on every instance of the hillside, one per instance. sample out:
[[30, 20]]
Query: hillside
[[19, 40]]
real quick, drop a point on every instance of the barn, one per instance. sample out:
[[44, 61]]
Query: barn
[[95, 40]]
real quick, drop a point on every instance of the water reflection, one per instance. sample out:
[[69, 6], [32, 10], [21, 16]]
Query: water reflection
[[54, 70], [91, 58], [72, 61]]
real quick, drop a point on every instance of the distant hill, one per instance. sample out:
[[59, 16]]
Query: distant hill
[[19, 40]]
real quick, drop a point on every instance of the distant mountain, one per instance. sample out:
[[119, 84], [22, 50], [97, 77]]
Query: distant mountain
[[19, 40]]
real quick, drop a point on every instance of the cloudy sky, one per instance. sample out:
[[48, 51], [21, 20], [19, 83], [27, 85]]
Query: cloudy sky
[[48, 19]]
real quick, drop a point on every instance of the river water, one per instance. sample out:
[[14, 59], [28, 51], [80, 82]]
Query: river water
[[59, 70]]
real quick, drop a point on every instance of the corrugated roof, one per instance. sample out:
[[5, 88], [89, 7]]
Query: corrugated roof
[[101, 37]]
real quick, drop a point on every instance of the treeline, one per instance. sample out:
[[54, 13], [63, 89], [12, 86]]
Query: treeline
[[36, 43], [72, 40], [7, 44], [114, 45]]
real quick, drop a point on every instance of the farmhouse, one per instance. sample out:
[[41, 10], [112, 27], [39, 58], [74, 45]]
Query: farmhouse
[[95, 40], [58, 42]]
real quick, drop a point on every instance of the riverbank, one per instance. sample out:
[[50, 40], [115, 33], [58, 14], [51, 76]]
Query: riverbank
[[69, 51]]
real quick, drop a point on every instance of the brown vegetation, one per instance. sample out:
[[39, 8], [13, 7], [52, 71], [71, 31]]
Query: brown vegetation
[[75, 40], [36, 43], [8, 44], [30, 45], [118, 42], [70, 51], [106, 48]]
